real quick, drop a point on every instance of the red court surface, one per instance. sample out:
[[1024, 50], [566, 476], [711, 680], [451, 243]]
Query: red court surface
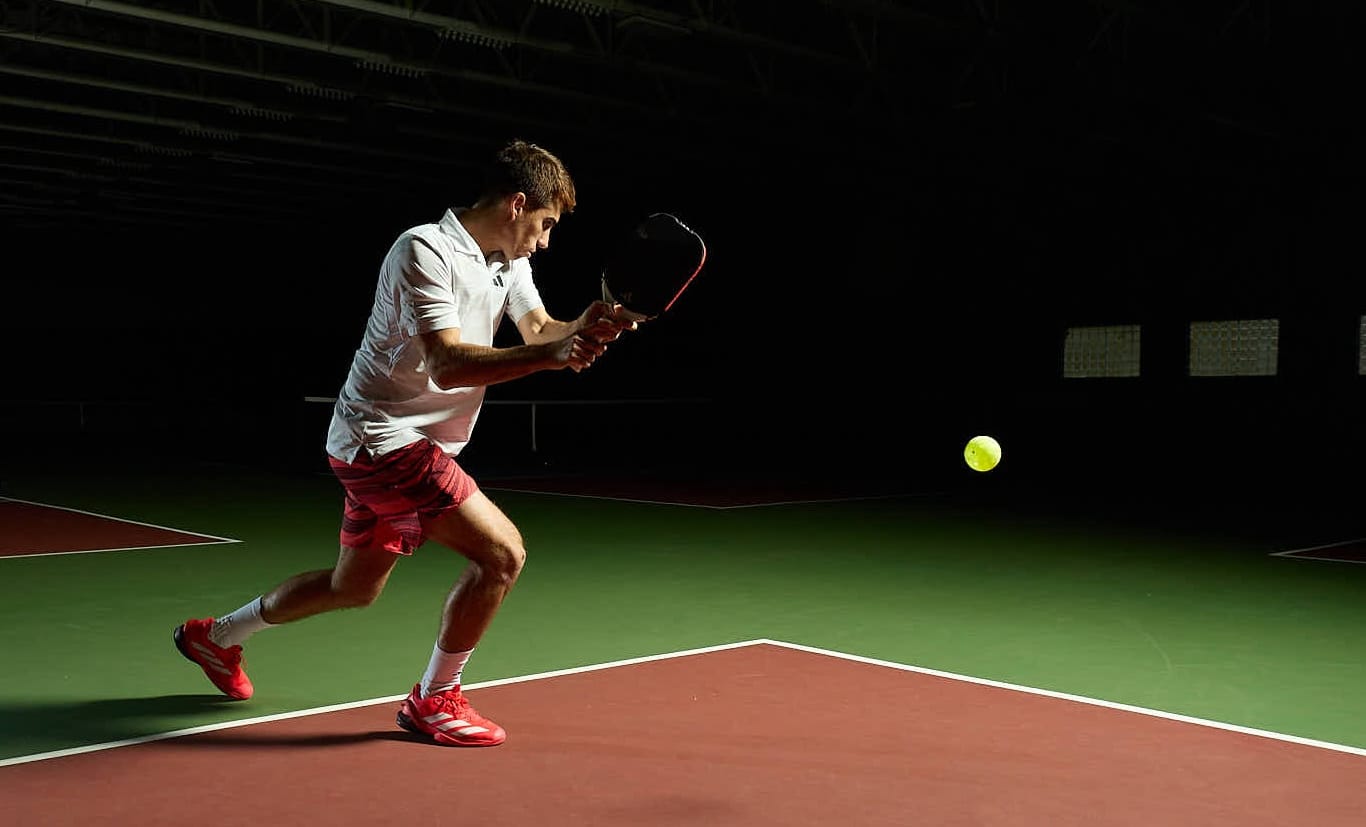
[[758, 734], [32, 528]]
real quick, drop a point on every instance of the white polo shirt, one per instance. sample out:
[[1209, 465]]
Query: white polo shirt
[[433, 277]]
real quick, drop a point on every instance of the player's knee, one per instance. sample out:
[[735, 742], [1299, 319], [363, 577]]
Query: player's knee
[[505, 563]]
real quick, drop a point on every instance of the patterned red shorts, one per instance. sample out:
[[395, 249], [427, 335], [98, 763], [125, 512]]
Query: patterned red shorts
[[387, 497]]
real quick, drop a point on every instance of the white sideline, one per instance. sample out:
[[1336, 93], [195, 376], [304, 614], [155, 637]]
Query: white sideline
[[24, 759]]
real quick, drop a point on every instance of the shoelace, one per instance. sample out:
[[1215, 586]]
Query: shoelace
[[453, 703]]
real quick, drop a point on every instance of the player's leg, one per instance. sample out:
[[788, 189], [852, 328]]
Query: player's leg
[[215, 644], [379, 524], [480, 531], [355, 582], [484, 535]]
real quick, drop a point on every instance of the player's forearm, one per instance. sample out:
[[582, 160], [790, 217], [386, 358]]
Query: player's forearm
[[470, 365], [603, 326], [552, 330]]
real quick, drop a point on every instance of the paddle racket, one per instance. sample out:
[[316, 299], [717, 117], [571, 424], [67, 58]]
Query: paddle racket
[[657, 262]]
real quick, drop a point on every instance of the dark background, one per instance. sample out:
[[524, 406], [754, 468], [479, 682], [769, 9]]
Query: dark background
[[906, 205]]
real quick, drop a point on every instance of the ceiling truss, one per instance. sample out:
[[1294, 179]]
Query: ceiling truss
[[117, 105]]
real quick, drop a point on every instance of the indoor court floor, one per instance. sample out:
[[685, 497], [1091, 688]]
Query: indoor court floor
[[701, 653]]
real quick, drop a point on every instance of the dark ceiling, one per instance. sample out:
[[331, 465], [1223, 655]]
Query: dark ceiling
[[174, 111]]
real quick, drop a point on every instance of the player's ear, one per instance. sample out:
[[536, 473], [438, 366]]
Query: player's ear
[[516, 204]]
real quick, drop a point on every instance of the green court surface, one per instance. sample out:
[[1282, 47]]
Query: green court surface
[[1188, 612]]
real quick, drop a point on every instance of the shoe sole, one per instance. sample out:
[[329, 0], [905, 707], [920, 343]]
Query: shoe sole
[[405, 722]]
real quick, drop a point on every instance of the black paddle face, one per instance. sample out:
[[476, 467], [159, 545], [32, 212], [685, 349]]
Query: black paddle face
[[654, 266]]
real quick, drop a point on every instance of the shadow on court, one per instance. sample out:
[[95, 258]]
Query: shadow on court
[[118, 719], [111, 719], [238, 738]]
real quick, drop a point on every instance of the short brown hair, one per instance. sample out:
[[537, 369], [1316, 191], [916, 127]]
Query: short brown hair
[[520, 166]]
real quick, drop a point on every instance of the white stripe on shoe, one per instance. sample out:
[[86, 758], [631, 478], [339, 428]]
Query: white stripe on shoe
[[212, 660], [462, 727]]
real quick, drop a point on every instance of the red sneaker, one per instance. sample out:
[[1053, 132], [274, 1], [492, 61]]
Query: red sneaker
[[447, 718], [222, 666]]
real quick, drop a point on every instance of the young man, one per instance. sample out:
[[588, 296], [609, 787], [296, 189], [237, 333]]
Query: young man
[[406, 410]]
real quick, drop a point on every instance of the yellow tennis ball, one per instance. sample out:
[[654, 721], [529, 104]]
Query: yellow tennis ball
[[982, 453]]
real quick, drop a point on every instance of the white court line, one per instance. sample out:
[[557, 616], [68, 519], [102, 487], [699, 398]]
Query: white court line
[[837, 500], [495, 487], [1298, 553], [1155, 713], [128, 742], [216, 540], [766, 504]]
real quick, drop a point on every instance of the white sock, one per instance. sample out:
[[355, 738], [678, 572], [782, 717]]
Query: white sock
[[443, 670], [233, 629]]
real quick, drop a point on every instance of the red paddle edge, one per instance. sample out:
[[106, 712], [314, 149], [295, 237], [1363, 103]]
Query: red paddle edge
[[700, 262]]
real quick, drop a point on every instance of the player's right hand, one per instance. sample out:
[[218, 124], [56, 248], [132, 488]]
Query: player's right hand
[[603, 322]]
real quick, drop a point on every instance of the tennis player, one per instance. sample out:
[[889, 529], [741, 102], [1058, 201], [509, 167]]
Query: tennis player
[[407, 408]]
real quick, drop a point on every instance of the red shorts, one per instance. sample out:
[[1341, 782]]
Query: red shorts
[[387, 497]]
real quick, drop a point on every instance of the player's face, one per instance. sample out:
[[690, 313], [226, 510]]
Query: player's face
[[531, 230]]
